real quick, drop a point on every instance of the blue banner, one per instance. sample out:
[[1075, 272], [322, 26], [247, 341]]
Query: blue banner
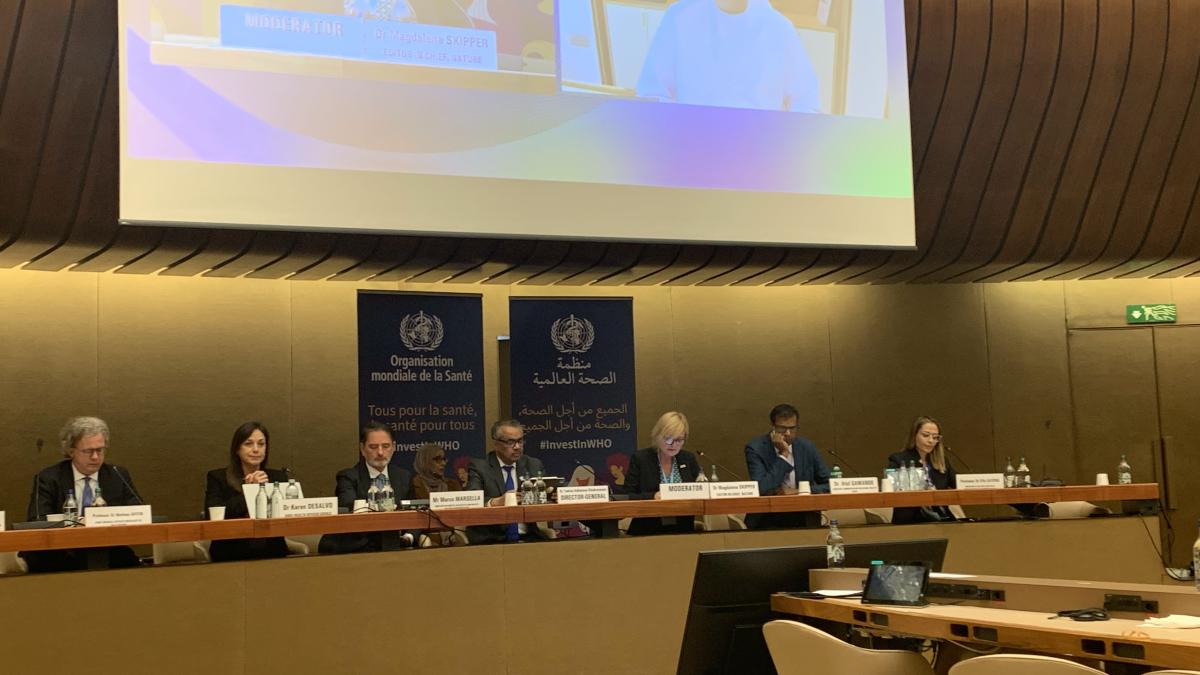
[[420, 371], [571, 365]]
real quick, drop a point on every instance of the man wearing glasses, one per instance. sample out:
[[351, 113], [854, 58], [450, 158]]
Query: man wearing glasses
[[780, 461], [84, 475], [375, 448], [500, 472]]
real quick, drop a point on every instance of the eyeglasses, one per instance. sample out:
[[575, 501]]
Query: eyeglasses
[[936, 438], [91, 451], [439, 458], [785, 430], [379, 446], [671, 440], [511, 442]]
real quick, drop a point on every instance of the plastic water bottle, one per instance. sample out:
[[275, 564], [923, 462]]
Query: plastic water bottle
[[700, 477], [275, 502], [835, 472], [713, 477], [293, 489], [387, 496], [527, 495], [910, 476], [835, 546], [1023, 478], [1196, 560], [98, 499], [1124, 472], [260, 502], [373, 497], [70, 508], [1010, 474], [890, 475], [539, 489]]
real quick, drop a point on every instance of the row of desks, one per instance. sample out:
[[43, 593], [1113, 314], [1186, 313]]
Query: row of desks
[[82, 537]]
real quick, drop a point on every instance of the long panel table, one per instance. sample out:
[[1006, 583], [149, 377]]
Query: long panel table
[[1136, 496]]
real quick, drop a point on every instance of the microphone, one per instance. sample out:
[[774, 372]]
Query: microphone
[[585, 466], [843, 463], [129, 486], [39, 444], [37, 497], [960, 459], [720, 465]]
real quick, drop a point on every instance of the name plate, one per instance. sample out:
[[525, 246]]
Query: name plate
[[1, 521], [853, 485], [107, 516], [313, 506], [742, 488], [683, 490], [583, 494], [980, 481], [460, 499]]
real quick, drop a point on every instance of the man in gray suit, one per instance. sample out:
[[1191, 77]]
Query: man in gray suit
[[500, 472]]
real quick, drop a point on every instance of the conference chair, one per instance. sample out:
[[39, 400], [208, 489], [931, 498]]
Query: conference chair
[[800, 649], [1174, 672], [845, 516], [880, 516], [166, 553], [721, 522], [1075, 510], [302, 544], [11, 563], [1020, 664]]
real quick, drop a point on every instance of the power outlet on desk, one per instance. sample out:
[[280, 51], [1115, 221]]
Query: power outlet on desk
[[1129, 603], [964, 592]]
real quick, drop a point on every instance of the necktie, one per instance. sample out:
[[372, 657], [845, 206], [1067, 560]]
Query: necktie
[[379, 481], [511, 532], [88, 495]]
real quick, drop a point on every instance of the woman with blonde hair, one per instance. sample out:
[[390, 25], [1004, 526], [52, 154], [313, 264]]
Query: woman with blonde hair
[[665, 461]]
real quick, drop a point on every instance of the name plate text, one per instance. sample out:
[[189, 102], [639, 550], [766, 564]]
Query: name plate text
[[460, 499], [853, 485], [107, 516], [683, 490], [583, 494], [980, 481], [732, 489], [313, 506]]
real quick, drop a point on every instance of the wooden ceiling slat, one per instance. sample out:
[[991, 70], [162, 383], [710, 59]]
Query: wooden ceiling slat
[[851, 273], [508, 254], [620, 256], [794, 261], [653, 258], [219, 247], [827, 262], [545, 254], [10, 18], [430, 252], [930, 73], [725, 259], [583, 255], [1125, 146], [176, 245], [690, 258], [468, 254], [130, 243], [760, 260], [265, 248], [389, 251], [309, 249], [30, 89], [348, 251]]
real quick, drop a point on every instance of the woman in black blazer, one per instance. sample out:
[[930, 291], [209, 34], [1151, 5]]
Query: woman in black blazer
[[925, 449], [664, 462], [247, 465]]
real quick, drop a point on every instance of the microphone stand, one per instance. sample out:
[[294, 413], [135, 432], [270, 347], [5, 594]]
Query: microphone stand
[[720, 465]]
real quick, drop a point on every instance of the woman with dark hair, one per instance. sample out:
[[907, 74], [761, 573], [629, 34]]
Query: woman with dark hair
[[429, 472], [247, 465], [924, 449]]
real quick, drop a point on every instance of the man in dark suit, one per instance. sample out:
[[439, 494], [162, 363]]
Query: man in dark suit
[[779, 460], [376, 448], [500, 472], [84, 475]]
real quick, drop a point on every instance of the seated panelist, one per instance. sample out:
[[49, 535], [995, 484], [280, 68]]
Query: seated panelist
[[248, 453], [924, 448], [376, 447], [501, 472], [429, 472], [83, 474], [663, 462], [779, 461]]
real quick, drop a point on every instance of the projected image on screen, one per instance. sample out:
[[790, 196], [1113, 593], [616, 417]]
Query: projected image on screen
[[556, 118]]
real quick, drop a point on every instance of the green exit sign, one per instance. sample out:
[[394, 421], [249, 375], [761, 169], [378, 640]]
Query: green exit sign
[[1161, 313]]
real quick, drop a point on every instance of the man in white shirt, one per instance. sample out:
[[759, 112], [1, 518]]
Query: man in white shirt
[[729, 53], [500, 472], [376, 448]]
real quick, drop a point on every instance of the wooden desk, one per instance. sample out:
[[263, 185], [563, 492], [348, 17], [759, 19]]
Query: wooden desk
[[82, 537], [1120, 640]]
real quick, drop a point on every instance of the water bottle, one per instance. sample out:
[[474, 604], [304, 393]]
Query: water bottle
[[1010, 475], [260, 502], [98, 500], [527, 495], [889, 475], [908, 477], [836, 472], [373, 497], [275, 502], [1124, 472], [539, 489], [70, 507], [714, 478], [835, 546], [1023, 479], [920, 478], [1196, 560], [293, 489], [387, 496]]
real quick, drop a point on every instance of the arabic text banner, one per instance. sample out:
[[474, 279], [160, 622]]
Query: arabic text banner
[[420, 371], [573, 384]]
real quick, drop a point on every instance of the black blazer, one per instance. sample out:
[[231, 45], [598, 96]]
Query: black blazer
[[946, 480], [50, 488], [53, 483], [485, 474], [353, 483], [641, 482], [218, 492]]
